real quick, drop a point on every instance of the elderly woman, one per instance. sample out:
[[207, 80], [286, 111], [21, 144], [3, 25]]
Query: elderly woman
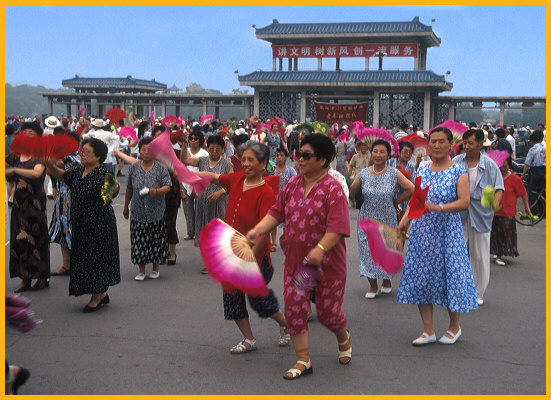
[[379, 185], [212, 202], [250, 197], [29, 240], [95, 261], [60, 225], [274, 141], [148, 182], [314, 209], [437, 269], [196, 143]]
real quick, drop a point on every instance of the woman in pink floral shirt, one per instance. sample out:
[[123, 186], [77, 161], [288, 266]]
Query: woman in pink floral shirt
[[315, 211]]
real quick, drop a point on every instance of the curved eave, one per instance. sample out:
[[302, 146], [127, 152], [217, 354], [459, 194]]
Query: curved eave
[[440, 86], [429, 39]]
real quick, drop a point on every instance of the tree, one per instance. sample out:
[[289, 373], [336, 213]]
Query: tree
[[240, 91], [195, 88]]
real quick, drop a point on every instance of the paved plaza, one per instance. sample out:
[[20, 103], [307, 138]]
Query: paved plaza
[[168, 336]]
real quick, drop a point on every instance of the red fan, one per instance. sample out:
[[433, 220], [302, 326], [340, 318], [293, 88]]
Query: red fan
[[405, 172], [81, 111], [115, 115], [420, 144], [177, 136], [43, 147], [417, 202], [385, 245]]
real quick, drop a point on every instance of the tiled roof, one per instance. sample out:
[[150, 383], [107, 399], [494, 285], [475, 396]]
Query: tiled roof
[[128, 81], [343, 27], [343, 76]]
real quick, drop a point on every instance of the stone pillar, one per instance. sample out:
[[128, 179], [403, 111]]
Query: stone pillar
[[290, 63], [451, 112], [217, 111], [302, 106], [319, 63], [50, 106], [68, 109], [426, 112], [101, 110], [163, 108], [501, 112], [247, 109], [178, 110], [274, 65], [256, 103], [123, 105], [367, 63], [338, 63], [376, 102], [281, 64], [204, 107], [295, 66]]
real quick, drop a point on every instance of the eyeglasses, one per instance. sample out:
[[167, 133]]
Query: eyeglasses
[[193, 138], [304, 155]]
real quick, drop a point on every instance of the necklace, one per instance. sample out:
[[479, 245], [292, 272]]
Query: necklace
[[250, 185], [379, 172]]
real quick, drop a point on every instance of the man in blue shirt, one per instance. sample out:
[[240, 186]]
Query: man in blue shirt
[[477, 220], [534, 165]]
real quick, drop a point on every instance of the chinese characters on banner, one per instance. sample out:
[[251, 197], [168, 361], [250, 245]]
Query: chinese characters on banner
[[340, 113], [345, 50]]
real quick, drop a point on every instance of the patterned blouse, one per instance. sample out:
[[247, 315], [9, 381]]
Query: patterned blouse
[[145, 209]]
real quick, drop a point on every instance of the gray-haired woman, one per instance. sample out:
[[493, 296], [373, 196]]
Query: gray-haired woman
[[250, 197]]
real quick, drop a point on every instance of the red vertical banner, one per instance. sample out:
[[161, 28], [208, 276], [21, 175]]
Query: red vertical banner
[[340, 113]]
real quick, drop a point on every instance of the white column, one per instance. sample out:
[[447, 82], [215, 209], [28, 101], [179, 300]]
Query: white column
[[319, 63], [376, 101], [426, 112], [256, 104], [367, 63], [204, 107], [163, 108], [303, 106], [501, 112], [451, 114], [274, 65]]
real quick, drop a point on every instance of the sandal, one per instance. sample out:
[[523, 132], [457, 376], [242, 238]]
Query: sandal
[[61, 271], [284, 338], [242, 348], [273, 248], [345, 353], [297, 373], [41, 284], [23, 287]]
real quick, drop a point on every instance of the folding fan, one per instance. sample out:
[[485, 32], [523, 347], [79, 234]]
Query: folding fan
[[115, 115], [417, 202], [128, 132], [385, 245], [161, 149], [43, 147], [499, 156], [230, 260]]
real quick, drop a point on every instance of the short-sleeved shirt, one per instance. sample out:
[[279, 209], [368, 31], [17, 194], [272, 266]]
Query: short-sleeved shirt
[[245, 209], [536, 156], [358, 163], [514, 188], [488, 174], [145, 209], [307, 219]]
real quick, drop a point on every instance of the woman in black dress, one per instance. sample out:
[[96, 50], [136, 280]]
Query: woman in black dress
[[29, 240], [95, 261]]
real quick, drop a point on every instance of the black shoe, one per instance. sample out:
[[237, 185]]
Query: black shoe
[[20, 379], [204, 271], [172, 262], [89, 309], [105, 299], [119, 174]]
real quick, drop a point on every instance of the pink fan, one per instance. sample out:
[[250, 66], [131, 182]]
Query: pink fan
[[344, 137], [230, 260], [129, 132], [499, 156], [334, 130], [420, 144], [457, 129], [294, 156], [169, 120], [181, 121], [370, 135], [205, 118], [384, 244], [152, 117], [82, 111], [355, 126], [18, 313], [161, 149]]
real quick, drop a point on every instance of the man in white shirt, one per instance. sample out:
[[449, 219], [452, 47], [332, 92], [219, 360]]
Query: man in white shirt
[[109, 138], [402, 132]]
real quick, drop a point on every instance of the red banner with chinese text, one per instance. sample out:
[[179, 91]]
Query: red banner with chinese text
[[345, 50], [340, 113]]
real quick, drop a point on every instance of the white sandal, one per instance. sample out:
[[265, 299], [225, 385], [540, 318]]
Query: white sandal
[[297, 373], [345, 353], [284, 338], [241, 348], [454, 336], [424, 339]]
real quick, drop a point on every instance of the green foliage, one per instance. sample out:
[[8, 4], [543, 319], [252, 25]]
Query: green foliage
[[195, 88], [24, 99]]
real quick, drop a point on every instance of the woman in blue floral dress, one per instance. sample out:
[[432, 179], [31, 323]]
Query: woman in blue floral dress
[[437, 269], [379, 185]]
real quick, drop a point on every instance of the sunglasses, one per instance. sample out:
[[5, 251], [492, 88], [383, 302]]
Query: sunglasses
[[304, 155], [193, 138]]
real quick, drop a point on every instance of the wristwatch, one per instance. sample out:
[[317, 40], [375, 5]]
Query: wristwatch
[[441, 207]]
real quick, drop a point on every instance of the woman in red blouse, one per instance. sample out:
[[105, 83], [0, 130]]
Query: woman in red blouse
[[249, 199], [503, 239], [315, 211]]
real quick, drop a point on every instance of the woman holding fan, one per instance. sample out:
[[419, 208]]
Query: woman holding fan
[[437, 269], [250, 198]]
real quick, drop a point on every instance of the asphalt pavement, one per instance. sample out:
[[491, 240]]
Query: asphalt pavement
[[169, 336]]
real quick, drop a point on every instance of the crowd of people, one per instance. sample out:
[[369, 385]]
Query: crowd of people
[[269, 175]]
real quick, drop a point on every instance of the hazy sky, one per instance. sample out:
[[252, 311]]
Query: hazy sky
[[490, 50]]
